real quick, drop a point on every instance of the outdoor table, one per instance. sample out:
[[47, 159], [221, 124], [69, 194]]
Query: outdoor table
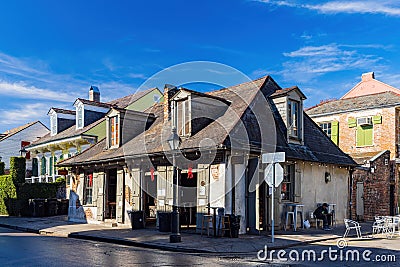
[[295, 207]]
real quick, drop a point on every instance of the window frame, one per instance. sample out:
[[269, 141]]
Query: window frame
[[328, 129], [294, 111], [53, 124], [88, 188], [79, 116], [288, 185], [114, 131], [183, 121]]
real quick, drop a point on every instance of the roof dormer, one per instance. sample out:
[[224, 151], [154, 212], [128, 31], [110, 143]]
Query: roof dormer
[[88, 111], [60, 119], [123, 125], [289, 104], [192, 111]]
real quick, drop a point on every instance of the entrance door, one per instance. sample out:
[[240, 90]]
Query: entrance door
[[111, 194], [188, 199], [360, 200], [150, 195]]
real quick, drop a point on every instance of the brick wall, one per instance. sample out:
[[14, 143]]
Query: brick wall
[[376, 188]]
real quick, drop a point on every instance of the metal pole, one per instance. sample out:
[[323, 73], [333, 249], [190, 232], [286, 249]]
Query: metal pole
[[272, 204], [175, 236]]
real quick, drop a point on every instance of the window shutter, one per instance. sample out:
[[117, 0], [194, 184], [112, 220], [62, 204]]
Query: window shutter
[[352, 122], [335, 132], [377, 119], [43, 166], [360, 136], [51, 164], [368, 135]]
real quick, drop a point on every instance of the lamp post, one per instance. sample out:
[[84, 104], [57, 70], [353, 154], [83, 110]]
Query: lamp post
[[23, 152], [174, 141]]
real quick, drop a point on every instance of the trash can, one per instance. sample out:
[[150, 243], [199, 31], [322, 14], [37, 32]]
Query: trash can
[[50, 207], [36, 207], [62, 206], [137, 219], [164, 221], [235, 225]]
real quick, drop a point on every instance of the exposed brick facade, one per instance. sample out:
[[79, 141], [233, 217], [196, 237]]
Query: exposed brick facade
[[376, 181]]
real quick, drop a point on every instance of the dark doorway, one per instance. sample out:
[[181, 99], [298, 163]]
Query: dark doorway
[[392, 200], [188, 199], [111, 194], [150, 194]]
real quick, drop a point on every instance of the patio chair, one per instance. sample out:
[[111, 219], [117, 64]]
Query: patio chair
[[352, 225], [378, 226], [390, 226]]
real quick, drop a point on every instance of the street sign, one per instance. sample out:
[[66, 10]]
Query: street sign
[[273, 157], [269, 174]]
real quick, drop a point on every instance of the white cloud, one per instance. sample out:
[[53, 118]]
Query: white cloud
[[309, 62], [22, 90], [23, 114], [389, 8]]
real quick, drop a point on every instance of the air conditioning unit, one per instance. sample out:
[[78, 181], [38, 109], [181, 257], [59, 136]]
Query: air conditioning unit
[[364, 121]]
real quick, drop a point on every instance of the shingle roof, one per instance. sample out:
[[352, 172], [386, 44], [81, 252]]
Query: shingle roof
[[356, 103], [15, 130], [318, 147], [286, 91], [63, 111]]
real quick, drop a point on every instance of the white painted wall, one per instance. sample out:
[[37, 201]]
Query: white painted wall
[[11, 146], [240, 195]]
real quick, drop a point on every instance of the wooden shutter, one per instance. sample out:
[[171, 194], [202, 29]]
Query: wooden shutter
[[161, 188], [100, 196], [335, 132], [136, 190], [360, 141], [120, 196], [35, 171], [365, 135], [352, 122], [51, 164], [43, 166]]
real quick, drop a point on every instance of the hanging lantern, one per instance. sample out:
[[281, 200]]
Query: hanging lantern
[[152, 174], [190, 172]]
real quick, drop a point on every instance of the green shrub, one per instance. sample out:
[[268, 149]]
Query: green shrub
[[8, 195], [60, 180], [2, 166], [18, 169]]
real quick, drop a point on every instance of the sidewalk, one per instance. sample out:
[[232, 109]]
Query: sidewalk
[[152, 238]]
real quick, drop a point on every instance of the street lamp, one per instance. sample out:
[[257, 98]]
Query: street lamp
[[174, 142], [23, 152]]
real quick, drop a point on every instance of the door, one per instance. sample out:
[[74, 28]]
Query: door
[[111, 203], [188, 198], [360, 200]]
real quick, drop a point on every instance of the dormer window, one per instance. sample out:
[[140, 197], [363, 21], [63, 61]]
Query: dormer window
[[114, 131], [294, 118], [79, 116], [183, 117], [53, 124]]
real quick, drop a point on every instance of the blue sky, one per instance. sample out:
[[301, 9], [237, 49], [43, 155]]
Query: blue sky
[[52, 51]]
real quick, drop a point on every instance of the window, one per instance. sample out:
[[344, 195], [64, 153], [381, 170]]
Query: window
[[114, 131], [293, 118], [327, 128], [79, 116], [287, 189], [365, 135], [53, 124], [88, 189], [183, 120]]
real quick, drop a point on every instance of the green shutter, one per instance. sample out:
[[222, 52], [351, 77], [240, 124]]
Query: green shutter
[[352, 122], [365, 135], [377, 119], [335, 132], [51, 163], [35, 171], [368, 135], [43, 166]]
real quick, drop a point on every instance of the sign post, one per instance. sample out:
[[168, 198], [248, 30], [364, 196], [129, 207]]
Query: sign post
[[272, 159]]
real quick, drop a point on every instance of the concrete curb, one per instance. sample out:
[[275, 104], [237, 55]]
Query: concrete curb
[[121, 241]]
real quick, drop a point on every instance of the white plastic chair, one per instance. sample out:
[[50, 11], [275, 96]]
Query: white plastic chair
[[378, 226], [352, 225]]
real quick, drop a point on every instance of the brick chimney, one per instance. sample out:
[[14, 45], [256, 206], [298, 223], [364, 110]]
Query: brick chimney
[[169, 91], [367, 76], [94, 93]]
